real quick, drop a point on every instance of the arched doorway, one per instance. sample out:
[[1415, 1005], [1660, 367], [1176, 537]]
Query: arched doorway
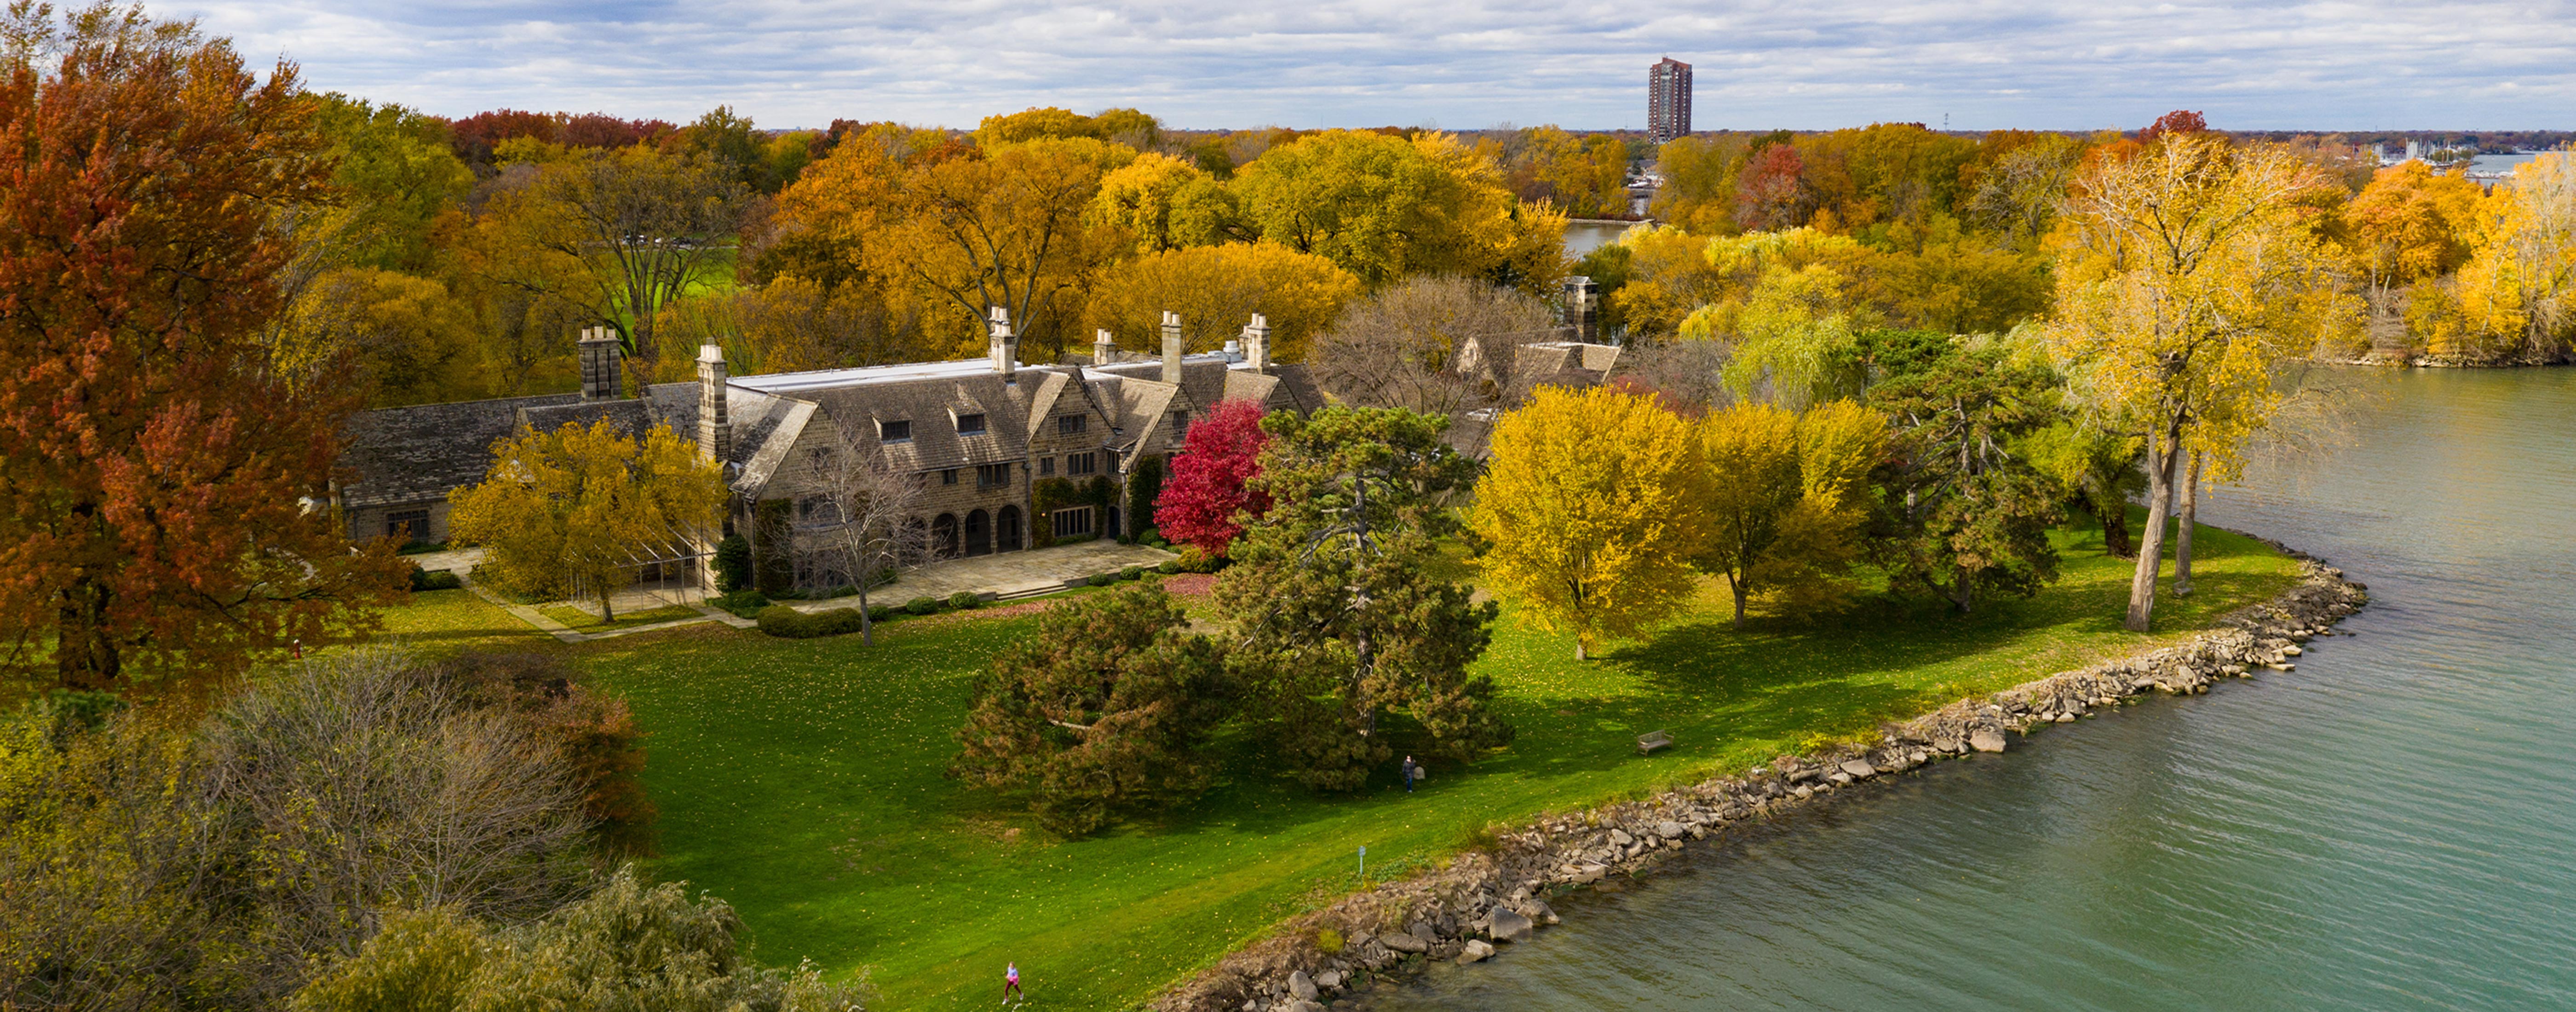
[[1009, 529], [943, 536], [979, 533]]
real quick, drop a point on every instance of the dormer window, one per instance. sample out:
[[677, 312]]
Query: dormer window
[[1066, 425], [970, 425], [895, 431]]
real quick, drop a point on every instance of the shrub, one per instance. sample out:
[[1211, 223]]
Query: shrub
[[922, 606], [733, 563], [433, 579], [1169, 567], [1102, 579], [1328, 941], [1196, 560], [743, 603], [965, 599], [1133, 572], [879, 613]]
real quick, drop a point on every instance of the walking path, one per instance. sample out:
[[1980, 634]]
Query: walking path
[[996, 577], [1007, 575]]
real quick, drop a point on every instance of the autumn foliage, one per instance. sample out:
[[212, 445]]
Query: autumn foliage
[[152, 518], [1209, 494]]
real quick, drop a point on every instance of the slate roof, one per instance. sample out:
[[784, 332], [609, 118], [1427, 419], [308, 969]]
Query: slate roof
[[420, 453]]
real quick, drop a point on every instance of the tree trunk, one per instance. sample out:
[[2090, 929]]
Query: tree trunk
[[2160, 469], [2114, 517], [85, 656], [2190, 516], [1578, 647], [867, 626], [607, 611]]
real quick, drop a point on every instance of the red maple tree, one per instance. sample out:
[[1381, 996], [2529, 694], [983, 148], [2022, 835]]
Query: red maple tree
[[1772, 194], [158, 481], [2179, 121], [1206, 494]]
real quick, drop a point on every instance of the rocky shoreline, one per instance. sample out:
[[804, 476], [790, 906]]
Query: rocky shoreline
[[1498, 896]]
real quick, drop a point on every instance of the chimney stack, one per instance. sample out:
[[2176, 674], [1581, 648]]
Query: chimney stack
[[599, 358], [1256, 343], [1582, 301], [1173, 347], [715, 426], [1104, 348], [1006, 345]]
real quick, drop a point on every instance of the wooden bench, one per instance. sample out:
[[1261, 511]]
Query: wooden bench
[[1648, 742]]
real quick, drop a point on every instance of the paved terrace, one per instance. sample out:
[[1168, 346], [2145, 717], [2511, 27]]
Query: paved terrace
[[1006, 575]]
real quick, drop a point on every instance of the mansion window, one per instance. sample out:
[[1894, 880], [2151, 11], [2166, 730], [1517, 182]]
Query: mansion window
[[1180, 424], [1066, 425], [948, 477], [895, 431], [1070, 522], [407, 526], [970, 425], [992, 475], [1046, 465], [1082, 463]]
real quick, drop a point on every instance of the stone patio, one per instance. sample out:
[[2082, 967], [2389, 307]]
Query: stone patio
[[1005, 575]]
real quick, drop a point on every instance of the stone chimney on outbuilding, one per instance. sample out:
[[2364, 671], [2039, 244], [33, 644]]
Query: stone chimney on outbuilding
[[599, 357], [1173, 347], [1006, 345], [1582, 308], [1256, 343], [715, 425], [1104, 348]]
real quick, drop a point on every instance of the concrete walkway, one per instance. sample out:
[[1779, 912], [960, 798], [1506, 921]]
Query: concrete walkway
[[1005, 575], [530, 615]]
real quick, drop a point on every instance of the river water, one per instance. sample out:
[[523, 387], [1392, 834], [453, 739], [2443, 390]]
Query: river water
[[2390, 826]]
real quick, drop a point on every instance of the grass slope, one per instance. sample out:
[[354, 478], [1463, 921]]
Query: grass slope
[[802, 780]]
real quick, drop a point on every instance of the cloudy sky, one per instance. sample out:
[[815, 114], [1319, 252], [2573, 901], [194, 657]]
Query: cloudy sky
[[2328, 64]]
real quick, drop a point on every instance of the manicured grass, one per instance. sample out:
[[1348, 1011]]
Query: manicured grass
[[802, 780], [451, 621], [582, 621]]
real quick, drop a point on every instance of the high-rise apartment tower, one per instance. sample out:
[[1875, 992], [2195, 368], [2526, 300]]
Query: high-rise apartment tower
[[1668, 95]]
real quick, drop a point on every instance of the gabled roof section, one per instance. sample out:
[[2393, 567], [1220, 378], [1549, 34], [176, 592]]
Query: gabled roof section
[[423, 452]]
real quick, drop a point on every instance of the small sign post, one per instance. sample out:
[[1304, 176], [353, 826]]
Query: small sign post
[[1363, 863]]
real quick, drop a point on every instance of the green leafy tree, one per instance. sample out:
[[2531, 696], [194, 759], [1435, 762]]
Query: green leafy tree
[[2095, 470], [1964, 515], [1106, 711], [1341, 620], [1783, 495]]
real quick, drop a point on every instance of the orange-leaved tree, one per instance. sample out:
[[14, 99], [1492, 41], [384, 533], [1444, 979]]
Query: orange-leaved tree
[[158, 484]]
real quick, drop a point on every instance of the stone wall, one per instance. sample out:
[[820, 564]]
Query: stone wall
[[1499, 896]]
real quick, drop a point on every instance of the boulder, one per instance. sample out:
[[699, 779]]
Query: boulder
[[1475, 951], [1402, 942], [1302, 1005], [1840, 778], [1946, 745], [1860, 769], [1301, 986], [1539, 910], [1423, 930], [1669, 830], [1510, 926], [1986, 740], [1591, 873], [1329, 980], [1621, 837]]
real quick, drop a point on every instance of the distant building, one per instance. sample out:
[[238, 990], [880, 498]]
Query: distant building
[[1668, 97]]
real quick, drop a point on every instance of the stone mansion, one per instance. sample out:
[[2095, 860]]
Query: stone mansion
[[985, 436]]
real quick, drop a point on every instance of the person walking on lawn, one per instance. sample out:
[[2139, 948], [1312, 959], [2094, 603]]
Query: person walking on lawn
[[1411, 769], [1011, 984]]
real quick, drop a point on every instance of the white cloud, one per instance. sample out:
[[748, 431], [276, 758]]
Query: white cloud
[[1765, 63]]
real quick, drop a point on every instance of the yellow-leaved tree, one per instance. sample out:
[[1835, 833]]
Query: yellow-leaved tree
[[1783, 498], [2189, 274], [2517, 293], [1216, 289], [1588, 510], [577, 507], [2409, 225]]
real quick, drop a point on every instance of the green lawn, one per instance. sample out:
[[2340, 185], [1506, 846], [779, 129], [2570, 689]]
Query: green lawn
[[582, 621], [802, 780]]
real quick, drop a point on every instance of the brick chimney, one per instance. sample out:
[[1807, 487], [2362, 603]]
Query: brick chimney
[[715, 425], [1582, 303], [1104, 348], [1256, 343], [1006, 345], [1173, 347], [599, 357]]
